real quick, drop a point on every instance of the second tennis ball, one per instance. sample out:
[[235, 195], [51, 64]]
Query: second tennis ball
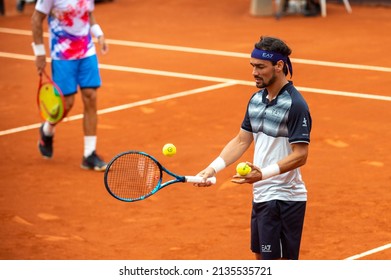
[[243, 169], [169, 150]]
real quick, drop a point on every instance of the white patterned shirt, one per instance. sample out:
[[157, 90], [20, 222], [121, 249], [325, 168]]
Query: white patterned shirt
[[275, 126], [69, 27]]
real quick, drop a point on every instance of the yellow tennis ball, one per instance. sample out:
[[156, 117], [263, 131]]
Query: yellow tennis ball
[[243, 169], [169, 150]]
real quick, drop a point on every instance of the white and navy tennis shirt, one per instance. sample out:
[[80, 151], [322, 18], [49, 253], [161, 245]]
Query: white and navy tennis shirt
[[275, 126]]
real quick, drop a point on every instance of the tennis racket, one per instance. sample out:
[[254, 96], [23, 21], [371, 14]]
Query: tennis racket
[[50, 100], [134, 175]]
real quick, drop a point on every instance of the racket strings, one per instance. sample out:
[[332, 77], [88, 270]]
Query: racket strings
[[133, 176]]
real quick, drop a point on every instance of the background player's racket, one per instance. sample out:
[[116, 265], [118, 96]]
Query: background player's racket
[[50, 100], [133, 175]]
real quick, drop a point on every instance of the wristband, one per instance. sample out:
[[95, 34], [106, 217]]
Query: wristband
[[218, 164], [270, 171], [96, 30], [38, 49]]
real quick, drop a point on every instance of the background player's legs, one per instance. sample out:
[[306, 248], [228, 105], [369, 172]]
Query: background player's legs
[[90, 121]]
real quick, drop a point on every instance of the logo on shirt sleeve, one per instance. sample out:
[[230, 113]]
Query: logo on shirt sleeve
[[304, 124]]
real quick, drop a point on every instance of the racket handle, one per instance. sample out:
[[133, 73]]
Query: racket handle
[[198, 179]]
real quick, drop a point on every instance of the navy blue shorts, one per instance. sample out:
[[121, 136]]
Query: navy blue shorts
[[276, 228]]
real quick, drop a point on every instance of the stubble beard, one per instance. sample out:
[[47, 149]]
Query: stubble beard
[[264, 84]]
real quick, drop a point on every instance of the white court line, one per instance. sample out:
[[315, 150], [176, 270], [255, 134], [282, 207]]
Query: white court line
[[370, 252], [125, 106], [344, 93], [209, 78], [223, 81], [212, 52]]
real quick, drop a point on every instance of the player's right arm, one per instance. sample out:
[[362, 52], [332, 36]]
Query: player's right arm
[[232, 151], [37, 30], [236, 147]]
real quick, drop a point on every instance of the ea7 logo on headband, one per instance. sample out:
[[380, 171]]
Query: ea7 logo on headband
[[267, 55]]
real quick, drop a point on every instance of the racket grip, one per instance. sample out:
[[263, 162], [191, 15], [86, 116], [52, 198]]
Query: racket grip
[[198, 179]]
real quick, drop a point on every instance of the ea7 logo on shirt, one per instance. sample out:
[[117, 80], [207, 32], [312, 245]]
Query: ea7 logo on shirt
[[266, 248]]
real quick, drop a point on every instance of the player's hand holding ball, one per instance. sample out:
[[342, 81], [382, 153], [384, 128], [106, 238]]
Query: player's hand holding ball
[[246, 173], [169, 150], [243, 169]]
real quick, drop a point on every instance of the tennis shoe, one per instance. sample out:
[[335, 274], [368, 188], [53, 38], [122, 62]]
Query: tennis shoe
[[93, 162], [45, 144]]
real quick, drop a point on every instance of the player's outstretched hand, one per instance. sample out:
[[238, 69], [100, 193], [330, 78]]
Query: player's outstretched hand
[[206, 173], [254, 176]]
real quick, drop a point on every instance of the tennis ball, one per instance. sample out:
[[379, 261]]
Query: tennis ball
[[243, 169], [169, 150]]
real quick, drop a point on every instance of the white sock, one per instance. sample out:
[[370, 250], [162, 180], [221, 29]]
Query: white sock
[[89, 145], [48, 129]]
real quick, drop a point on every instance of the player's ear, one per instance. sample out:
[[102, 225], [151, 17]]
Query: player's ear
[[280, 66]]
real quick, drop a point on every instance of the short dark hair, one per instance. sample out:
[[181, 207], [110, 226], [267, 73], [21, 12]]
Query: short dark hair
[[274, 44]]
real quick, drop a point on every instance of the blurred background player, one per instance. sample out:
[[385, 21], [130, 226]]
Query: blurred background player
[[21, 3], [74, 64], [2, 8]]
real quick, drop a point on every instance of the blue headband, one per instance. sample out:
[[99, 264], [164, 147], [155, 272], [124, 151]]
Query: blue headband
[[272, 56]]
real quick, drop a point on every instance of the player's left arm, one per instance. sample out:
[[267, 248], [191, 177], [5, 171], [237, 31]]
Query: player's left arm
[[294, 160], [98, 33], [299, 127]]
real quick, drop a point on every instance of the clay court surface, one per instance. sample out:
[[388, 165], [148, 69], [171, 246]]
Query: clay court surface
[[52, 209]]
